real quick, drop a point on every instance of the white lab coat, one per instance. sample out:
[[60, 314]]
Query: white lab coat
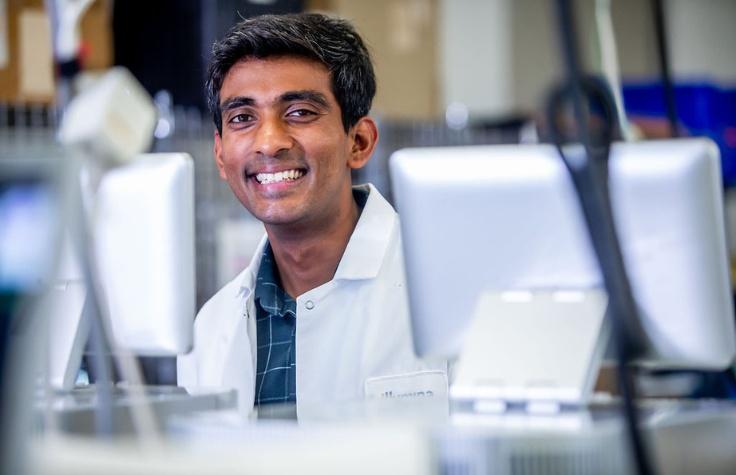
[[353, 336]]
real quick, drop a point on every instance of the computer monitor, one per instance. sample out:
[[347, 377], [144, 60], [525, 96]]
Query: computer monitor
[[495, 218], [144, 238]]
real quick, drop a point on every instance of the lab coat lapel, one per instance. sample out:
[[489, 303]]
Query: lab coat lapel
[[239, 337], [238, 371]]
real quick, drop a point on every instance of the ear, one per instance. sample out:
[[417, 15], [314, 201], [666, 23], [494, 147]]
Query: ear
[[363, 139], [218, 156]]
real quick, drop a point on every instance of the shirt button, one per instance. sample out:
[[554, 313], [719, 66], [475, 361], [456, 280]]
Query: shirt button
[[309, 305]]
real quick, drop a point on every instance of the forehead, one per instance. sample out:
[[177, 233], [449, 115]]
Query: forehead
[[270, 77]]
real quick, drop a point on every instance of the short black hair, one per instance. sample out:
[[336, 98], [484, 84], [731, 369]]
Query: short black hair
[[332, 42]]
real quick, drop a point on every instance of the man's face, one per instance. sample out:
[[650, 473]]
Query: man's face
[[283, 149]]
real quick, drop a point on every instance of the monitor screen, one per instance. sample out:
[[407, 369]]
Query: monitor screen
[[27, 229], [29, 219], [497, 218]]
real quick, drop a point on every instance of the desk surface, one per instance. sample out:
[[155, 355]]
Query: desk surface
[[684, 436], [75, 411]]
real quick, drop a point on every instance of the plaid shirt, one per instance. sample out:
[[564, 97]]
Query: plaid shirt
[[276, 332]]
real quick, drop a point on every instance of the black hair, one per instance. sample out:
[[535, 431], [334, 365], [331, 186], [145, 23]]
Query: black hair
[[332, 42]]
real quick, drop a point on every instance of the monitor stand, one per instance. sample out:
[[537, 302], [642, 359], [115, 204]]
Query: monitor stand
[[68, 327], [541, 349]]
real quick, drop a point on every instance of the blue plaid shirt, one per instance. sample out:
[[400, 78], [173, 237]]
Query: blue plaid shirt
[[275, 336]]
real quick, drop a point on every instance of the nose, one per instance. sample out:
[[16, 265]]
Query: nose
[[272, 138]]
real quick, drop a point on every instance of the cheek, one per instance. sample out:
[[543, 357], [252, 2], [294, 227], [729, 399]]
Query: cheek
[[332, 155], [230, 154]]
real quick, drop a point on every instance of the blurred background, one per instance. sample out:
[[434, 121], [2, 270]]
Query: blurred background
[[450, 72]]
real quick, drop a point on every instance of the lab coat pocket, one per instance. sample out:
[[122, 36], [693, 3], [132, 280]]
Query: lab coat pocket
[[418, 384]]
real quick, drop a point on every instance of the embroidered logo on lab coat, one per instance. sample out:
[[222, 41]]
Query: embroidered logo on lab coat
[[420, 384]]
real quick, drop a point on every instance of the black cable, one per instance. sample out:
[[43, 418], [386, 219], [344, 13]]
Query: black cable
[[668, 89], [589, 174]]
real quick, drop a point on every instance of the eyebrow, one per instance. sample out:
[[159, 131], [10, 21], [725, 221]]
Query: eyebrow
[[235, 102], [306, 95], [290, 96]]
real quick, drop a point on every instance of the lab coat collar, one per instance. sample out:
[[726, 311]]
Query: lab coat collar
[[248, 281], [367, 246], [364, 253]]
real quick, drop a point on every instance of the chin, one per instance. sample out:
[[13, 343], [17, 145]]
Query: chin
[[278, 211], [276, 219]]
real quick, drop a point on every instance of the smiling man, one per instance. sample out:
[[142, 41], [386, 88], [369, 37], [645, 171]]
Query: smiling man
[[320, 315]]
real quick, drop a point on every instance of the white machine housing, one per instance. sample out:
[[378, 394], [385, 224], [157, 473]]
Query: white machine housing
[[112, 121]]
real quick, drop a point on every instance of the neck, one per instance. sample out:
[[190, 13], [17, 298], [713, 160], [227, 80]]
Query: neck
[[307, 256]]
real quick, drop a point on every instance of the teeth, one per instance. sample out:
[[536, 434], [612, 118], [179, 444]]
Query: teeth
[[266, 178]]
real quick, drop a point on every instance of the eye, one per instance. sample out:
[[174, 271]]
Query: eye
[[301, 113], [241, 118]]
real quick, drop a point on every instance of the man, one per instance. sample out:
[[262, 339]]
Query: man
[[320, 315]]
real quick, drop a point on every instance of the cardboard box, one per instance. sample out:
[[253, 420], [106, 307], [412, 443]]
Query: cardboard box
[[26, 54]]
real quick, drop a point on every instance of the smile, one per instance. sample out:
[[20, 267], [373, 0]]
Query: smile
[[286, 175]]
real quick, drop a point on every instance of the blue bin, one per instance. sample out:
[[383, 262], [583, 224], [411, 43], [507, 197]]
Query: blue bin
[[703, 109]]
